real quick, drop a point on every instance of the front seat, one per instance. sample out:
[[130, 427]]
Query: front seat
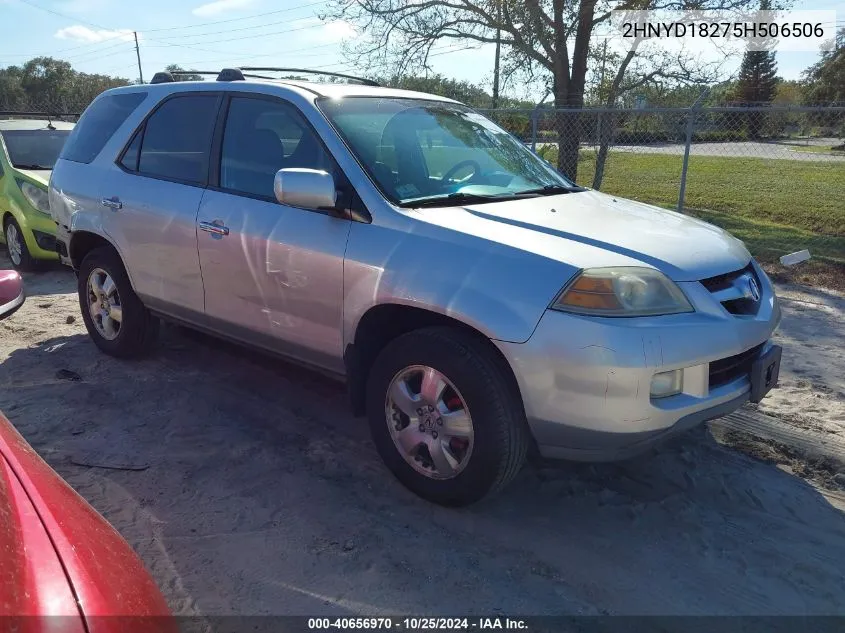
[[252, 162]]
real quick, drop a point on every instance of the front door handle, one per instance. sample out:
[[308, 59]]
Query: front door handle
[[113, 203], [215, 228]]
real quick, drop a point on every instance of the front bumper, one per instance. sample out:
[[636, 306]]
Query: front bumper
[[585, 381], [39, 233], [62, 245]]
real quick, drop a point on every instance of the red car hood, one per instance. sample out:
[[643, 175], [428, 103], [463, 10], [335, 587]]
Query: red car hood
[[58, 556]]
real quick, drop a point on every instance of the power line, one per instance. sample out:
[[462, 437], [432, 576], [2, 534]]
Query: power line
[[248, 17], [94, 54], [243, 28], [245, 37], [72, 48], [191, 46], [172, 28]]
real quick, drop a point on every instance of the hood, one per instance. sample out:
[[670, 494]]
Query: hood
[[39, 175], [589, 229]]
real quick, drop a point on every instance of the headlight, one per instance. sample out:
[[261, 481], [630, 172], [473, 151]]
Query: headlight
[[622, 292], [36, 196]]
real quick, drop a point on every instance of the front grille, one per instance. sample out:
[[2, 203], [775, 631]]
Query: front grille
[[728, 369], [732, 292], [724, 281]]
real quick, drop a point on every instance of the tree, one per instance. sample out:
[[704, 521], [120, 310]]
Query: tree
[[439, 85], [12, 94], [758, 80], [50, 85], [545, 39], [824, 81], [179, 73]]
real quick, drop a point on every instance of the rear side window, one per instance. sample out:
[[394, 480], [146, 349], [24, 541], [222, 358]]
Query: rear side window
[[177, 139], [97, 124], [130, 156]]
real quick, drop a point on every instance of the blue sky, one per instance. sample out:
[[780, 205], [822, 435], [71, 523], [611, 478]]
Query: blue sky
[[96, 36]]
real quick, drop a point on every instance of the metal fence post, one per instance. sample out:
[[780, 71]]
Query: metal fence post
[[535, 114], [690, 126]]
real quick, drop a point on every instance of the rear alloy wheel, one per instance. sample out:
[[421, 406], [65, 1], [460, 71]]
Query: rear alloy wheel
[[104, 304], [116, 319], [445, 416], [16, 246]]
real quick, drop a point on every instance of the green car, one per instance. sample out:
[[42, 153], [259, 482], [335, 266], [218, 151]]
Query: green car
[[28, 150]]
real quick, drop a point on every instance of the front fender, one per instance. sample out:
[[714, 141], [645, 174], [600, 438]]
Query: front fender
[[500, 291]]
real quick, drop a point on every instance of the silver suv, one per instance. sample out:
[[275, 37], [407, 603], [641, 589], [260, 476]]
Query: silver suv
[[479, 306]]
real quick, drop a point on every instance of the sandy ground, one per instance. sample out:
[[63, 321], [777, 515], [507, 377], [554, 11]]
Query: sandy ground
[[256, 492]]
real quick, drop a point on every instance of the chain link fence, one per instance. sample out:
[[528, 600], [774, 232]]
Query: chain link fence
[[691, 157], [773, 176]]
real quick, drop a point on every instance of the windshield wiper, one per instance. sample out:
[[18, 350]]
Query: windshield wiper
[[18, 166], [451, 199], [549, 190]]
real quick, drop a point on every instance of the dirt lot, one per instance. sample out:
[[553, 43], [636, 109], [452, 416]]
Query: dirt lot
[[248, 488]]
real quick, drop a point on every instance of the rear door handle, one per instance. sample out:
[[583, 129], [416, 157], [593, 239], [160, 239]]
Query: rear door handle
[[216, 227], [112, 203]]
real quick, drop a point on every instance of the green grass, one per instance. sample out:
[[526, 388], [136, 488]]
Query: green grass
[[774, 206], [816, 149]]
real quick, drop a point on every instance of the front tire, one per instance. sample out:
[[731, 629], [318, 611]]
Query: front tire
[[445, 417], [16, 246], [116, 319]]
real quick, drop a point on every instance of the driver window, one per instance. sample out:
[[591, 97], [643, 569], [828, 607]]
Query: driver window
[[261, 137]]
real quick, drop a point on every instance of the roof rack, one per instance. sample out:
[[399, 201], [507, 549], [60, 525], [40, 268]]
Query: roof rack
[[227, 74], [366, 82], [238, 74]]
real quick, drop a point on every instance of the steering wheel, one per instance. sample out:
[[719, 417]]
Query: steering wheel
[[476, 168]]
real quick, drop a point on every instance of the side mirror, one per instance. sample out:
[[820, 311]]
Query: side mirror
[[305, 188], [11, 292]]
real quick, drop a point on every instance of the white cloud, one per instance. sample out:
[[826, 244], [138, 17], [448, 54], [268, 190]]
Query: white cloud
[[333, 31], [79, 33], [220, 6], [338, 30]]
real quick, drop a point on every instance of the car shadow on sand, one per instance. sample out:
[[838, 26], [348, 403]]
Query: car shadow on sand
[[254, 491]]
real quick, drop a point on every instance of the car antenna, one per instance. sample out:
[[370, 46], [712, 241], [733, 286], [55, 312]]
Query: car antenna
[[50, 125]]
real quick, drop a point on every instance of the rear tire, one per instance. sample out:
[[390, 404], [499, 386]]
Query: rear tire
[[477, 385], [132, 334], [16, 247]]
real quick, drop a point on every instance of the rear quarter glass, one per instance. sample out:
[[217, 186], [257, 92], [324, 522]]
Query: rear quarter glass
[[97, 124]]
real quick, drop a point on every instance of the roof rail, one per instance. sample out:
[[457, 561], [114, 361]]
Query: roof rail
[[366, 82], [227, 74]]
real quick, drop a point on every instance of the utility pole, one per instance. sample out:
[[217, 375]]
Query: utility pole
[[138, 54], [498, 52]]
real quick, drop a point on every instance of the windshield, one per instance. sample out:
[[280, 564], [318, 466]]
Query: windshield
[[34, 149], [429, 151]]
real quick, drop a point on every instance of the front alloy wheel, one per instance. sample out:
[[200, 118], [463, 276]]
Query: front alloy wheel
[[429, 422], [446, 416]]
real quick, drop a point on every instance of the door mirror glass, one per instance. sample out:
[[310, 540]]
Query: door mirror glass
[[305, 188]]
